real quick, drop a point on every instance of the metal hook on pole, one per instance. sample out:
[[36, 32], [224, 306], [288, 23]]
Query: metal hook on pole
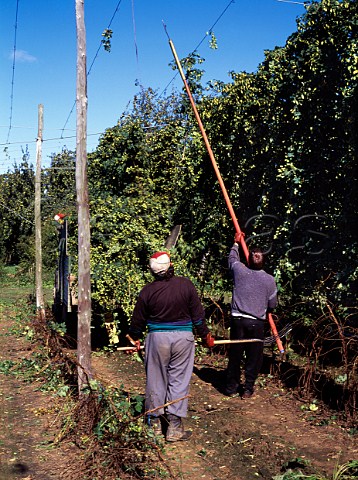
[[219, 177]]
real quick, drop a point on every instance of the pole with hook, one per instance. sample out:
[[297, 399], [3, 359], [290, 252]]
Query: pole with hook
[[219, 177]]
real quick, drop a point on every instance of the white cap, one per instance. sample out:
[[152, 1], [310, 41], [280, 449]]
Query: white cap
[[159, 262]]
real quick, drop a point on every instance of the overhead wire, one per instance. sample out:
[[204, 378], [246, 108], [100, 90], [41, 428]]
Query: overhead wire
[[50, 139], [209, 32], [212, 27], [289, 1], [50, 147], [135, 43], [137, 59], [94, 59], [13, 72]]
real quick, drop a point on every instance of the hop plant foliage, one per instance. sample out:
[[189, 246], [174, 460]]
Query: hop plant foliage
[[106, 41]]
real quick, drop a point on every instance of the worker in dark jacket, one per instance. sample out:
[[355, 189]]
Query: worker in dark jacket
[[254, 296], [169, 307]]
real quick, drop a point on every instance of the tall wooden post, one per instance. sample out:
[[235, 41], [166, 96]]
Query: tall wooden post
[[38, 246], [84, 281]]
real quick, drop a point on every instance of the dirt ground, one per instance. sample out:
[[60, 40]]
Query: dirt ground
[[232, 438]]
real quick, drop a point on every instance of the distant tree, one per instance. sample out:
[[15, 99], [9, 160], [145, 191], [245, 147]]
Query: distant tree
[[59, 196], [59, 184], [17, 189], [137, 176]]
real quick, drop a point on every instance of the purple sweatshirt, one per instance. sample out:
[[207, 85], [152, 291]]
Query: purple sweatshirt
[[254, 291]]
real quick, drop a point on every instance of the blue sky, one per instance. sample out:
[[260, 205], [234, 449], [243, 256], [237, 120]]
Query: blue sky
[[45, 68]]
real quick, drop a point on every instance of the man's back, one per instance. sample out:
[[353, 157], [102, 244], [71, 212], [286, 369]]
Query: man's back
[[171, 299], [254, 291]]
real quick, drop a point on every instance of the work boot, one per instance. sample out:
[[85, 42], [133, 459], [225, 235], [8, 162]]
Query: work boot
[[176, 430], [247, 394], [155, 424]]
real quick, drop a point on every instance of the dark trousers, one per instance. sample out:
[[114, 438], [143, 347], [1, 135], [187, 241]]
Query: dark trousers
[[244, 328]]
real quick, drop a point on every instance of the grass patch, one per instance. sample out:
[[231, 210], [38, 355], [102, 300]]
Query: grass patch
[[18, 284]]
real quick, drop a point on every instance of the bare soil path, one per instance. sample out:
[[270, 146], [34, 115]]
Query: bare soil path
[[26, 422], [232, 438], [243, 439]]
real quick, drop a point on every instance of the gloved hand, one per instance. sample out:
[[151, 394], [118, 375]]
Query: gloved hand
[[208, 341], [136, 347], [238, 237], [135, 343]]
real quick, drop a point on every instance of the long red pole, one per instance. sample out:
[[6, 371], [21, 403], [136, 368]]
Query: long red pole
[[221, 182]]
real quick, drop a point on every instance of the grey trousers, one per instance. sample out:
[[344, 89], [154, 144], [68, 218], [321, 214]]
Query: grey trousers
[[169, 361]]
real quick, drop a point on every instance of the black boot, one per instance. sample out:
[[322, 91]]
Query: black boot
[[176, 430]]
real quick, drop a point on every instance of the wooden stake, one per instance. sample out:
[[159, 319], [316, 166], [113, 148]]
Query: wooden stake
[[38, 246]]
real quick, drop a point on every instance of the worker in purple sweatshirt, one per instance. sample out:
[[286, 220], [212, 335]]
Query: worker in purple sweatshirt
[[254, 295], [170, 309]]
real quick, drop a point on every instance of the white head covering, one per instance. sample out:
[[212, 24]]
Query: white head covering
[[159, 262]]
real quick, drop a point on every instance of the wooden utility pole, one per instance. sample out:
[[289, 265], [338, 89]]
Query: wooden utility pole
[[38, 247], [84, 279]]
